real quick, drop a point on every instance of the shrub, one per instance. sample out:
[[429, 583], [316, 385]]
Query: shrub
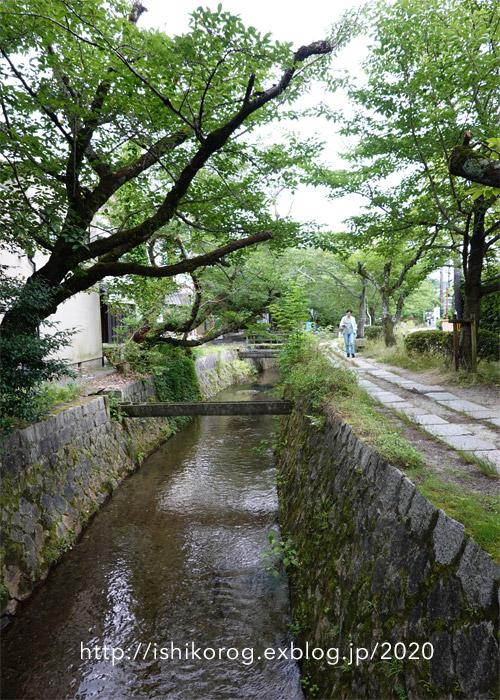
[[27, 356], [488, 345], [175, 378], [307, 373], [373, 332], [429, 342], [441, 343], [490, 313]]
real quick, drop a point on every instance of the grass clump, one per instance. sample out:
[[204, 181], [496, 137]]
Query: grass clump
[[379, 431], [203, 350], [479, 513], [306, 373]]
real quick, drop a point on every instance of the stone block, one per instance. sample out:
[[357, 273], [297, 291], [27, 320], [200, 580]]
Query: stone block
[[492, 456], [444, 601], [462, 405], [388, 482], [418, 565], [448, 537], [60, 503], [400, 406], [47, 446], [442, 667], [63, 437], [14, 463], [421, 513], [415, 411], [366, 453], [100, 418], [447, 429], [46, 501], [430, 419], [467, 442], [27, 436], [441, 396], [389, 397], [25, 507], [374, 464], [68, 492], [478, 574], [424, 388], [477, 660], [406, 493]]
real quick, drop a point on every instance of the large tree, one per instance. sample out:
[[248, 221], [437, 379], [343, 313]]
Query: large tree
[[432, 73], [92, 103]]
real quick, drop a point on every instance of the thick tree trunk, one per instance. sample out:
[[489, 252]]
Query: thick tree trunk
[[387, 322], [458, 299], [362, 311], [472, 288]]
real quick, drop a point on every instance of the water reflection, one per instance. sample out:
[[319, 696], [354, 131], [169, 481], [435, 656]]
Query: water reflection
[[174, 559]]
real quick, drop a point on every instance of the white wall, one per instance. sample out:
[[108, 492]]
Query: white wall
[[81, 312]]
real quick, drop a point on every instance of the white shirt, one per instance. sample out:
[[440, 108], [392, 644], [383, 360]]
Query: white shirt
[[346, 320]]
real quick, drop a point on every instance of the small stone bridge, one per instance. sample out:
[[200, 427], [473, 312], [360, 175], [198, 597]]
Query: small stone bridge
[[213, 408], [255, 354]]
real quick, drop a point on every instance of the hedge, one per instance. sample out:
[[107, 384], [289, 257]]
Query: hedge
[[373, 332], [441, 343]]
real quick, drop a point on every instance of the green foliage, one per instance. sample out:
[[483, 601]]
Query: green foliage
[[290, 311], [307, 374], [56, 394], [432, 71], [429, 342], [490, 313], [441, 343], [373, 332], [25, 356], [175, 378], [162, 162], [279, 552]]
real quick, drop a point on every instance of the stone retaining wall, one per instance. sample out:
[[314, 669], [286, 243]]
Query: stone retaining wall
[[56, 473], [220, 370], [381, 564]]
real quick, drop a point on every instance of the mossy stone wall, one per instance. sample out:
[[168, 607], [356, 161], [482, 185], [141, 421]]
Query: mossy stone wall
[[378, 565]]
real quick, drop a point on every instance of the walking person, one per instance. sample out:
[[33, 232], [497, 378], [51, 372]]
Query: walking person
[[349, 328]]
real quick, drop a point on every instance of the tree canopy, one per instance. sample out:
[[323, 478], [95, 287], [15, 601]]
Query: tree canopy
[[431, 75], [91, 104]]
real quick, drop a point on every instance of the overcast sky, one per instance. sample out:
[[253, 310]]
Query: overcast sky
[[300, 23]]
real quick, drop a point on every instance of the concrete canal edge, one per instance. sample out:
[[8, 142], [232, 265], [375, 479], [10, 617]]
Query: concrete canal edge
[[381, 569], [56, 473]]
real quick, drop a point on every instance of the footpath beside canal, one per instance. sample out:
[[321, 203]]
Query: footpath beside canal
[[55, 474]]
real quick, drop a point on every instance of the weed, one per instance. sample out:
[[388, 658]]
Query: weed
[[262, 447], [115, 403], [310, 688], [485, 466], [279, 552], [400, 692]]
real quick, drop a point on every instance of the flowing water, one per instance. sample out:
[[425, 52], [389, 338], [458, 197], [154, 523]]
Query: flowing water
[[173, 561]]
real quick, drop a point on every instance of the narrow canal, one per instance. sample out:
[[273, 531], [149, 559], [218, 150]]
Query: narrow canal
[[171, 566]]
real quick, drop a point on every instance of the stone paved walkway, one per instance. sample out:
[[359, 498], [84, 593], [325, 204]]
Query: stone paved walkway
[[459, 436]]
